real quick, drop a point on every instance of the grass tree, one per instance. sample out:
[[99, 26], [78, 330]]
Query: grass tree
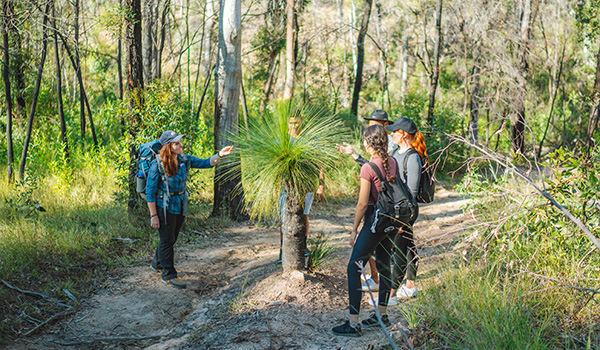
[[274, 160]]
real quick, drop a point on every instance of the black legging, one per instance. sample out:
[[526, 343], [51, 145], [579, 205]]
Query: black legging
[[164, 256], [406, 259], [366, 243]]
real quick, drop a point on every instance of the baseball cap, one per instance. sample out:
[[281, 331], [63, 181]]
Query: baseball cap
[[169, 136], [404, 124]]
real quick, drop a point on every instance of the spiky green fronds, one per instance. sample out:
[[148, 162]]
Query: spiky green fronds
[[270, 157]]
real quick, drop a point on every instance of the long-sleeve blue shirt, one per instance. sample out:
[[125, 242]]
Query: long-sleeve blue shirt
[[177, 204]]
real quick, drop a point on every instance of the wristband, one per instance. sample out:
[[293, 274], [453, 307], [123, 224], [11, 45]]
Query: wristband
[[151, 216]]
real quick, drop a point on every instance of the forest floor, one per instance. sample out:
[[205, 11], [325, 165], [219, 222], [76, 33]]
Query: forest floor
[[239, 298]]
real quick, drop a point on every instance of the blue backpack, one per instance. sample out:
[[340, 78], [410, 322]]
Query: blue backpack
[[147, 152]]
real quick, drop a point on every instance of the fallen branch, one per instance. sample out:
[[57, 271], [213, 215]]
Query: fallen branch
[[545, 194], [583, 289], [35, 294]]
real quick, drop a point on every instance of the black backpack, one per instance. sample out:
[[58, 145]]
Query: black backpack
[[427, 182], [395, 206]]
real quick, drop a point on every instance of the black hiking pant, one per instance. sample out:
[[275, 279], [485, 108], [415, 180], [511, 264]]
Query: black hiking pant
[[164, 256], [406, 259], [365, 244]]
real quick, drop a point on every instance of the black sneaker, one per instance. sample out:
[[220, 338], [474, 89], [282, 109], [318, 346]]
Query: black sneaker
[[372, 321], [347, 330]]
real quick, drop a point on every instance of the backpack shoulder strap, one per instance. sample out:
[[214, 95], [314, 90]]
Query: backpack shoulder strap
[[377, 171], [409, 152], [187, 161]]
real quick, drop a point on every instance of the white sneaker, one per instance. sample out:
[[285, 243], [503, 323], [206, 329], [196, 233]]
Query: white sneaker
[[362, 278], [391, 302], [370, 284], [404, 292]]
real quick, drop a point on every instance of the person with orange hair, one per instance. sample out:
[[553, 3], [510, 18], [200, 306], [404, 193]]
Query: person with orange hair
[[167, 198], [412, 152]]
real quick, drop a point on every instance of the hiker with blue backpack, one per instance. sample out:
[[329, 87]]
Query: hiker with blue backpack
[[167, 196], [385, 204]]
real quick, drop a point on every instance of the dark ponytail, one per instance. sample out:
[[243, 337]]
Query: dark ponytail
[[377, 138]]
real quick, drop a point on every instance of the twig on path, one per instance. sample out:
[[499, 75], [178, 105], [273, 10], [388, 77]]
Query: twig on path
[[107, 339], [270, 334], [34, 329]]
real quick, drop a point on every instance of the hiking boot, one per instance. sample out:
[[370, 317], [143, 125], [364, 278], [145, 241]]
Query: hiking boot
[[347, 330], [392, 301], [155, 269], [372, 321], [370, 284], [175, 282], [404, 292]]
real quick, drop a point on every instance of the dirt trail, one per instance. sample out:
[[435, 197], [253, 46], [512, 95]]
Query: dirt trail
[[239, 298]]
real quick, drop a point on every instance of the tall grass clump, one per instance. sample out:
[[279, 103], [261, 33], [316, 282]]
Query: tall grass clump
[[530, 280]]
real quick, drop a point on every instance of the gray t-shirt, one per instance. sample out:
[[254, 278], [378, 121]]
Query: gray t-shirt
[[412, 174]]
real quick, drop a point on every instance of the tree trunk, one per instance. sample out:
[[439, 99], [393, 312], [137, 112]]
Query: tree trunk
[[59, 97], [135, 85], [120, 65], [227, 105], [593, 119], [404, 65], [148, 25], [360, 56], [19, 67], [518, 129], [435, 69], [6, 18], [474, 103], [293, 228], [273, 62], [207, 45], [78, 70], [157, 70], [36, 91], [290, 51]]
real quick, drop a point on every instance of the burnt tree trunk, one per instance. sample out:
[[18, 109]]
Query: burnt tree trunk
[[360, 54], [435, 69], [135, 86], [6, 18], [59, 96], [293, 228], [36, 91]]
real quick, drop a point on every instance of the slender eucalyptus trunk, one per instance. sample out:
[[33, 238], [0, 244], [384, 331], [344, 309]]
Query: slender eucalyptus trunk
[[76, 9], [435, 69], [120, 66], [594, 111], [59, 96], [272, 67], [360, 56], [36, 91], [148, 26], [6, 18], [474, 103], [228, 80], [207, 45], [290, 53]]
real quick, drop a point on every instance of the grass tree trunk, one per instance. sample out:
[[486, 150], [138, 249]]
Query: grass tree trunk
[[36, 91], [6, 76], [227, 104], [435, 69], [135, 85], [290, 53], [293, 227], [360, 56], [59, 96]]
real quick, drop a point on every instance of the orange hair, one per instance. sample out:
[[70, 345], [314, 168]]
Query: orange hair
[[418, 143], [169, 159]]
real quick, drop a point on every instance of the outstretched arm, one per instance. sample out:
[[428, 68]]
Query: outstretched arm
[[348, 149]]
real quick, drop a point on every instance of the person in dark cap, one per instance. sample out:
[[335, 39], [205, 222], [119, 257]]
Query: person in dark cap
[[167, 198], [412, 152]]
